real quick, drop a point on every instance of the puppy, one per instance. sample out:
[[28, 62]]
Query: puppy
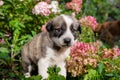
[[108, 32], [51, 47]]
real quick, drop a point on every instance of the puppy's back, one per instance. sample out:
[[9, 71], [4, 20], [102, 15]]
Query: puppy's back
[[35, 48]]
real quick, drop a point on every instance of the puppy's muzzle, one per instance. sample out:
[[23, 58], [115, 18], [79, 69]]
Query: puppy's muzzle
[[67, 41]]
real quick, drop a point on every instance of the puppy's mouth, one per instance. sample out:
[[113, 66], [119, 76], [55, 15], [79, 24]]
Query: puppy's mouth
[[66, 45]]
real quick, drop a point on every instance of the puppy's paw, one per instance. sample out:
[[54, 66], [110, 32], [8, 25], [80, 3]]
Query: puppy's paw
[[27, 75]]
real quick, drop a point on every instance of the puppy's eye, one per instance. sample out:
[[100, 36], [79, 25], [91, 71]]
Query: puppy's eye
[[58, 30], [73, 30]]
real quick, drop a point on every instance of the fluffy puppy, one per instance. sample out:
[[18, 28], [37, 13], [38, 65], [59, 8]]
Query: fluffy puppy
[[108, 32], [51, 47]]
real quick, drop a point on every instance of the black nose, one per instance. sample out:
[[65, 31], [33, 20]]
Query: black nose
[[67, 41]]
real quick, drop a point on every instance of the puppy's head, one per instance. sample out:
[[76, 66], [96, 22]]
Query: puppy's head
[[63, 30]]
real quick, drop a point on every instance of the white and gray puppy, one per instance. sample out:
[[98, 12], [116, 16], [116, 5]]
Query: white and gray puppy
[[51, 47]]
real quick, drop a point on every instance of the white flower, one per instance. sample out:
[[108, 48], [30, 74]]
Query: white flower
[[1, 3], [54, 7], [21, 0], [42, 8]]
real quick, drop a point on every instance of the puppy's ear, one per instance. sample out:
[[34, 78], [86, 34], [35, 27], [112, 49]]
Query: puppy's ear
[[49, 26], [79, 29]]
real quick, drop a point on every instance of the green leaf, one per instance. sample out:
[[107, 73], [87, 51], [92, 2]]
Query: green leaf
[[34, 78], [4, 54], [53, 74], [92, 75], [4, 50], [109, 74], [101, 68]]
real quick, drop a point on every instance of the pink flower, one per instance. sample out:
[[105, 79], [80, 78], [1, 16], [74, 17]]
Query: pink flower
[[2, 41], [111, 53], [82, 55], [83, 48], [42, 8], [54, 7], [116, 52], [75, 5], [89, 21], [43, 28], [1, 3]]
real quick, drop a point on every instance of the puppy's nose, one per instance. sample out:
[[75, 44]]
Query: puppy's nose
[[67, 41]]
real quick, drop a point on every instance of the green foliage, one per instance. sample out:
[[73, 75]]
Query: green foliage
[[4, 56], [101, 68], [101, 9], [87, 33], [113, 72], [92, 75], [34, 78], [53, 74]]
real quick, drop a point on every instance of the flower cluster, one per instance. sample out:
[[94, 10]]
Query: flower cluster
[[89, 21], [42, 8], [45, 8], [43, 28], [1, 3], [75, 5], [111, 53], [54, 7], [82, 56]]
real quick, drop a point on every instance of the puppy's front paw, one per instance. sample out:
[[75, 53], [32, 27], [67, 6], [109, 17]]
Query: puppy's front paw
[[44, 76], [27, 75]]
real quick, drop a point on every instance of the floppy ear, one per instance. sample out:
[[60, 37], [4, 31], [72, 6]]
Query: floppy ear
[[79, 29], [49, 26]]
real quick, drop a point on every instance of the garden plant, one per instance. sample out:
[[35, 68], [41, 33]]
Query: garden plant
[[20, 20]]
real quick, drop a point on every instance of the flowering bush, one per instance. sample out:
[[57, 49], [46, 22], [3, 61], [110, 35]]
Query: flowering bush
[[42, 8], [111, 53], [75, 5], [82, 56], [89, 21]]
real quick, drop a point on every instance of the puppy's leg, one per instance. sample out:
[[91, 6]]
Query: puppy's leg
[[43, 65], [62, 66], [27, 69]]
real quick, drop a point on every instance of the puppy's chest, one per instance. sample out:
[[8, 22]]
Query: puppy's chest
[[57, 56]]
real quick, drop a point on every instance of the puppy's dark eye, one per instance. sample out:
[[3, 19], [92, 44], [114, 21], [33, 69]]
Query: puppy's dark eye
[[58, 30], [73, 30]]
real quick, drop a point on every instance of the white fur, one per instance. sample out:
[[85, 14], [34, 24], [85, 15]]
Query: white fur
[[67, 34], [29, 70], [27, 75], [53, 58]]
